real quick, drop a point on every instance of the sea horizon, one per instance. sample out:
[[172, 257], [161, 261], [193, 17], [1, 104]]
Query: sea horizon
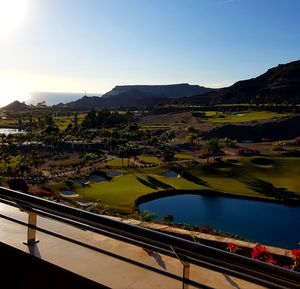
[[53, 98]]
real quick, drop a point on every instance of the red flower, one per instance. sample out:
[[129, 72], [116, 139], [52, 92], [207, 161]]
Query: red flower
[[259, 251], [296, 253], [43, 193], [270, 260], [231, 247]]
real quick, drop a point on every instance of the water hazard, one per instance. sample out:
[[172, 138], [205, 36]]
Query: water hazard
[[262, 222]]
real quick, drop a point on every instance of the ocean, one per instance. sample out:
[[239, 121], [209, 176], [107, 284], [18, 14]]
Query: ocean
[[52, 98]]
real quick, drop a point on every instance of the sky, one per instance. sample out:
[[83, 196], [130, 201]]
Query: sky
[[93, 45]]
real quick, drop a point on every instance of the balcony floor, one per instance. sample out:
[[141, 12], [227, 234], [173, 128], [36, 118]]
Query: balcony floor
[[100, 267]]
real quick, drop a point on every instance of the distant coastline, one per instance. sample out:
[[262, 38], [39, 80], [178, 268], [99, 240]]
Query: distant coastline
[[52, 98]]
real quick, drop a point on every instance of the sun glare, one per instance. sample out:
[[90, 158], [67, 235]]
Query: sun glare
[[11, 91], [12, 13]]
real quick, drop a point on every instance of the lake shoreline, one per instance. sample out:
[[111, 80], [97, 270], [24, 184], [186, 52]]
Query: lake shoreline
[[169, 193]]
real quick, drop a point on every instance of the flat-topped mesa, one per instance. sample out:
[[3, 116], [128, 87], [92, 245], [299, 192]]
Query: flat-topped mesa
[[158, 91]]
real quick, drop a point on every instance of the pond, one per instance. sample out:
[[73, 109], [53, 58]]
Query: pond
[[8, 131], [80, 181], [113, 174], [96, 179], [69, 194], [263, 222], [170, 174]]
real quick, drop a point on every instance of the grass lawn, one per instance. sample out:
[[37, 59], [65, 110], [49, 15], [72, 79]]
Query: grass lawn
[[117, 162], [63, 121], [150, 159], [283, 173], [9, 122], [183, 157], [246, 179], [121, 192], [245, 116]]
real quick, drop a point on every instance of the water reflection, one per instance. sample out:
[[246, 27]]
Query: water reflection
[[267, 223]]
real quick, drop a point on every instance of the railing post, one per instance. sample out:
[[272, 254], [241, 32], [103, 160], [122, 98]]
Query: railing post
[[31, 232], [186, 274]]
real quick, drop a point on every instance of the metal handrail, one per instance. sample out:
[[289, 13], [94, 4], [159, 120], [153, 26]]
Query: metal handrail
[[254, 271]]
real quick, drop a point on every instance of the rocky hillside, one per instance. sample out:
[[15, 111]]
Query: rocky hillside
[[279, 84], [16, 106]]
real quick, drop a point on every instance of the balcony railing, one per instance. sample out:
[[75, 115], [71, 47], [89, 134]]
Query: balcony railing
[[186, 251]]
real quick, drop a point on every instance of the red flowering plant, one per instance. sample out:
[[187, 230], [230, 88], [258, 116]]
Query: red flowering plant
[[261, 253], [296, 257], [43, 193], [232, 247]]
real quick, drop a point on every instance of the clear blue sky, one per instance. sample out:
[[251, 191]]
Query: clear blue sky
[[93, 45]]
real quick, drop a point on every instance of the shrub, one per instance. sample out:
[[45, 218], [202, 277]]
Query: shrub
[[43, 193]]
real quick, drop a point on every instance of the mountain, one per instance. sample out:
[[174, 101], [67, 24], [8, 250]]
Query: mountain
[[16, 106], [138, 95], [279, 84], [157, 91]]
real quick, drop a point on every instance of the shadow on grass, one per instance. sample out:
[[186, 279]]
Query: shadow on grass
[[267, 188], [146, 183], [154, 183], [158, 183], [186, 175], [101, 174], [218, 168]]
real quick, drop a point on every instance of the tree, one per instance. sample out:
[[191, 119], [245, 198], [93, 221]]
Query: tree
[[147, 216], [168, 218], [168, 154], [122, 153], [212, 148], [193, 135], [76, 121]]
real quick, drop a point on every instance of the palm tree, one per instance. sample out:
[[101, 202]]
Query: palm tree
[[212, 148], [122, 153]]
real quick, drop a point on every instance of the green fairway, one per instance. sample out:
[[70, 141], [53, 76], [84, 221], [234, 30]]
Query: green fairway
[[244, 116], [150, 159], [183, 157], [284, 172], [238, 179], [245, 178], [121, 192], [63, 121], [117, 162]]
